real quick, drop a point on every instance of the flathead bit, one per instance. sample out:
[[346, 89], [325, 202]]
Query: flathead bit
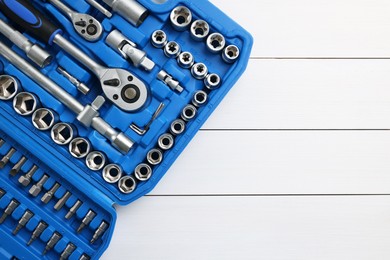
[[37, 188], [69, 249], [8, 211], [46, 198], [2, 193], [85, 257], [37, 232], [86, 221], [61, 202], [7, 157], [52, 242], [18, 166], [25, 180], [99, 231], [2, 142], [73, 209], [23, 221]]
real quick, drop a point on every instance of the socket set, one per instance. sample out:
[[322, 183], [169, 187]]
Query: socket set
[[97, 100]]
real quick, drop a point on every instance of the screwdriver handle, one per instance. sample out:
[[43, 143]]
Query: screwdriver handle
[[31, 19]]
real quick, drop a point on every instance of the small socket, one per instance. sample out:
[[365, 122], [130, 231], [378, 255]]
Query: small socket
[[154, 157], [200, 98], [199, 30], [127, 184], [79, 147], [9, 87], [178, 127], [199, 71], [189, 112], [43, 119], [159, 39], [143, 172], [181, 18], [95, 160], [166, 141], [186, 60], [112, 173], [25, 103], [62, 133], [230, 54], [172, 49], [212, 81], [216, 42]]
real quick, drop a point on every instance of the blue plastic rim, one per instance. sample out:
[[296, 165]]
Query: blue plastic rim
[[55, 161]]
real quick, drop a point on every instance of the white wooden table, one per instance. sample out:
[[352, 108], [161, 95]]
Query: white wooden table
[[295, 162]]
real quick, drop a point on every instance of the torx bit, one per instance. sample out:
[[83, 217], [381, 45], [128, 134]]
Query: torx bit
[[23, 221], [61, 202], [52, 242], [37, 232], [2, 193], [86, 221], [85, 257], [37, 188], [73, 209], [18, 166], [50, 194], [25, 180], [7, 157], [8, 211], [1, 142], [99, 231], [69, 249]]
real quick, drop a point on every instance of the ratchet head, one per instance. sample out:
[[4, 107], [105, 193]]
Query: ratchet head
[[87, 26]]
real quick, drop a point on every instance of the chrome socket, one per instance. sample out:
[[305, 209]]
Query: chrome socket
[[131, 10], [112, 173], [172, 49], [166, 142], [143, 172], [230, 54], [199, 30], [25, 103], [178, 127], [199, 71], [95, 160], [154, 157], [62, 133], [127, 184], [189, 112], [200, 98], [181, 18], [215, 42], [212, 81], [159, 39], [79, 147], [9, 87], [185, 60], [43, 119]]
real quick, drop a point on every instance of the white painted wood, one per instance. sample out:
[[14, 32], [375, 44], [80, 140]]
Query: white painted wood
[[321, 28], [271, 228]]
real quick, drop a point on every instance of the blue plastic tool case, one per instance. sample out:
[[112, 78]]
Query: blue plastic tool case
[[72, 174]]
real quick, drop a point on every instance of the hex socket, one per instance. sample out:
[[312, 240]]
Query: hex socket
[[143, 172], [62, 133], [9, 87], [127, 184], [181, 18], [95, 160], [79, 147], [25, 103], [43, 119], [112, 173]]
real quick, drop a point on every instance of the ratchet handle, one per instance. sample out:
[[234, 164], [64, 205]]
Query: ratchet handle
[[31, 19]]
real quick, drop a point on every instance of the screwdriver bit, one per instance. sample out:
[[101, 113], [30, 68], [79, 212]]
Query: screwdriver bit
[[85, 257], [2, 142], [7, 157], [99, 231], [61, 202], [23, 221], [2, 193], [87, 219], [37, 188], [9, 209], [73, 209], [69, 249], [52, 242], [25, 180], [49, 195], [15, 170], [37, 232]]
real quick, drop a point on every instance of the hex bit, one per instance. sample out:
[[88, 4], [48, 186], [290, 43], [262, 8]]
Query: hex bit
[[7, 157], [25, 180], [9, 209], [37, 232], [86, 221], [61, 202], [46, 198], [52, 242], [73, 209], [18, 166], [99, 231], [69, 249], [37, 188], [23, 222]]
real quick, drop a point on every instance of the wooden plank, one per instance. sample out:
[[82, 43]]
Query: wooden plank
[[322, 28], [282, 162], [272, 228], [308, 94]]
